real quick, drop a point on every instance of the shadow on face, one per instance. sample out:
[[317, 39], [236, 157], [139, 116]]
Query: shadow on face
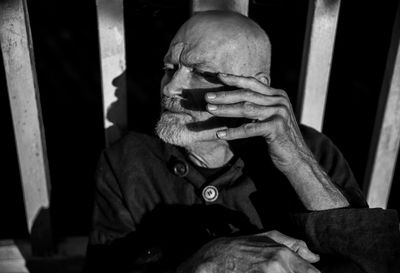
[[216, 122], [193, 99]]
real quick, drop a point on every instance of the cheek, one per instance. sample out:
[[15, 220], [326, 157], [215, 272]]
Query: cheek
[[199, 83]]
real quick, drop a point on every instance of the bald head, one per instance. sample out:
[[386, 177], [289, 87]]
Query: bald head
[[209, 43], [227, 39]]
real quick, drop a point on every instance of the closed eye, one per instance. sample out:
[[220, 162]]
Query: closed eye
[[170, 68]]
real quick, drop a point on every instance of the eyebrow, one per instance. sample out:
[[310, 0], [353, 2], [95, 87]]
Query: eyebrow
[[202, 66]]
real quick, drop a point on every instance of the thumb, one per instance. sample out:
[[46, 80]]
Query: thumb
[[307, 255], [298, 246]]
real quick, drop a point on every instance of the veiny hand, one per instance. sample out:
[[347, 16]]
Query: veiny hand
[[274, 120], [255, 253], [298, 246], [272, 115]]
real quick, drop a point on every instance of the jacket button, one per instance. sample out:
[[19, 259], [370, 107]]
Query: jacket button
[[210, 193], [181, 169]]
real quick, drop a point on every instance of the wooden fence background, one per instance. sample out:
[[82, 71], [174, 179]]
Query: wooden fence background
[[17, 48]]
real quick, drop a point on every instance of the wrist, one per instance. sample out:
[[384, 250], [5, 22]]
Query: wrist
[[298, 162]]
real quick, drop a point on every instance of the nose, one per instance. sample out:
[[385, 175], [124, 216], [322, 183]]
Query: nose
[[180, 80]]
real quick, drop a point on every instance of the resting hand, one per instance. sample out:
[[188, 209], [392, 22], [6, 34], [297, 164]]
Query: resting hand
[[271, 112], [256, 253], [298, 246]]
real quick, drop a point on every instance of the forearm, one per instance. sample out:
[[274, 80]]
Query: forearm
[[313, 186]]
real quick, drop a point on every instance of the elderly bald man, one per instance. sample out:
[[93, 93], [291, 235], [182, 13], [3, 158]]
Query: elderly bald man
[[233, 183]]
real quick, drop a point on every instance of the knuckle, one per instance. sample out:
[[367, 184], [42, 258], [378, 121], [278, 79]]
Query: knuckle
[[282, 93], [301, 243], [252, 80], [248, 108], [283, 101], [273, 265], [248, 93], [282, 252], [242, 81], [248, 128], [296, 246], [279, 122], [282, 111]]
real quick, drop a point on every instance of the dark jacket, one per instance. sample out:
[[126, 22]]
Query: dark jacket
[[150, 212]]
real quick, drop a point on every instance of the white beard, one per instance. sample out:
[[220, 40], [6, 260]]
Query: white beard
[[172, 128]]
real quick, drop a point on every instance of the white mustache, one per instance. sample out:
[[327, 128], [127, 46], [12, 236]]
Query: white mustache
[[172, 104]]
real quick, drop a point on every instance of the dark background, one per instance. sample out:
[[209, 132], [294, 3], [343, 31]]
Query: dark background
[[67, 60]]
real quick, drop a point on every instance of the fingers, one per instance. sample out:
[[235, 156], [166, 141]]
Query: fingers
[[284, 260], [268, 128], [244, 131], [245, 103], [301, 266], [254, 100], [277, 267], [307, 255], [248, 83], [245, 110], [242, 95], [298, 246]]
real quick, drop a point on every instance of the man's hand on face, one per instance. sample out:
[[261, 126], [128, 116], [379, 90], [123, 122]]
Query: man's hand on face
[[271, 112], [273, 117], [255, 253]]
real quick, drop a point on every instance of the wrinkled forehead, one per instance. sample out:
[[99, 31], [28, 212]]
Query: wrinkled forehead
[[211, 48]]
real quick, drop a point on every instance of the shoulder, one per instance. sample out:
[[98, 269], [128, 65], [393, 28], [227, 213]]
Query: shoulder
[[136, 144], [320, 145], [314, 138], [135, 149], [324, 150]]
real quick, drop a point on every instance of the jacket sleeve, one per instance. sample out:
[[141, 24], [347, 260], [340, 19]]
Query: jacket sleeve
[[368, 237]]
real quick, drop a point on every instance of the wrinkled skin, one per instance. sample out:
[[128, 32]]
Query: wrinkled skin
[[207, 44], [217, 67], [256, 253]]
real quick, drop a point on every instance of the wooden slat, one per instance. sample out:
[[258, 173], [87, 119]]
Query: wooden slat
[[11, 258], [110, 16], [317, 58], [386, 138], [240, 6], [17, 50], [16, 255]]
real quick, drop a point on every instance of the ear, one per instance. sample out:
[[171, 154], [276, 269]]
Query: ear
[[264, 78]]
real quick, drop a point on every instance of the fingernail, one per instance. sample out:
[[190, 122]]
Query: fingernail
[[221, 134], [211, 95], [211, 107]]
